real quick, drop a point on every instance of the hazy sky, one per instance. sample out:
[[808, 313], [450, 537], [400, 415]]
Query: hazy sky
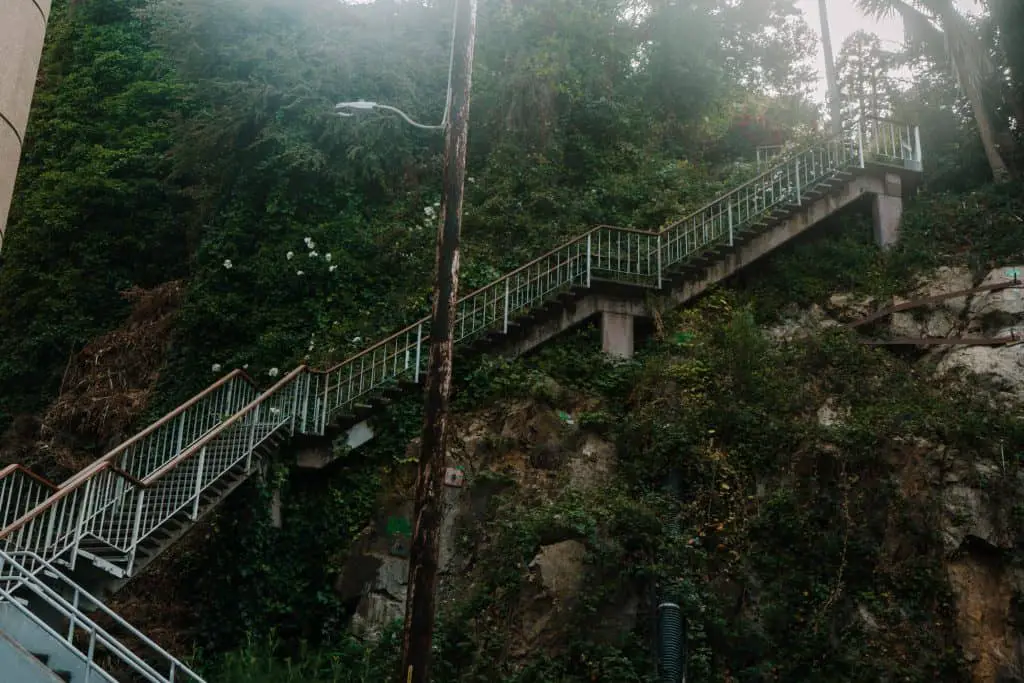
[[844, 19]]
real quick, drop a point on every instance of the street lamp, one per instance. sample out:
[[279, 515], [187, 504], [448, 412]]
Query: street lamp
[[351, 108], [424, 549]]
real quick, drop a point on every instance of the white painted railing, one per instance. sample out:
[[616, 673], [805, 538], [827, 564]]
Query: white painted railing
[[26, 577], [132, 491]]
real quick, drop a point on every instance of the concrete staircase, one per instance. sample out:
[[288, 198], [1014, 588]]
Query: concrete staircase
[[122, 511]]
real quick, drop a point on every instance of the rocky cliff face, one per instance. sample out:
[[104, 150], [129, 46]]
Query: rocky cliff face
[[529, 446], [981, 494], [529, 455]]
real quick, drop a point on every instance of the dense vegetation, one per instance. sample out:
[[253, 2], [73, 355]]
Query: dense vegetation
[[196, 141]]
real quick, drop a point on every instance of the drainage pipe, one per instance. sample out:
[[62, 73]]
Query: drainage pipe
[[671, 623]]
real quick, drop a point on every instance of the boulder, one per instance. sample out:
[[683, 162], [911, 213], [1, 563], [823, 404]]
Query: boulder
[[942, 319], [1003, 304], [999, 368]]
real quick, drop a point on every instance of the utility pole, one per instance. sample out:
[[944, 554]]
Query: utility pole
[[830, 70], [423, 551]]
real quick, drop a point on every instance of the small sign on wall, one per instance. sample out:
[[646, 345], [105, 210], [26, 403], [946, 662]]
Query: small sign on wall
[[454, 477]]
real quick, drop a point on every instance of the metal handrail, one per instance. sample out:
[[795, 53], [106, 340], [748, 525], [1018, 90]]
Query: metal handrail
[[137, 487], [15, 576]]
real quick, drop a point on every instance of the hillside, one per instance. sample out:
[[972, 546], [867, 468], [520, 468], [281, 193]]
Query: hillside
[[820, 509]]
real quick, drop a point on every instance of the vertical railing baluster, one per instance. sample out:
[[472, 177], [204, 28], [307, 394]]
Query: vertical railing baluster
[[199, 483], [136, 525], [589, 257], [419, 348], [659, 258], [798, 190], [505, 325]]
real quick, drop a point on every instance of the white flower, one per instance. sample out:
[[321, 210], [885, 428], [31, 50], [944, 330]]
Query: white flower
[[313, 254], [215, 367], [228, 264], [471, 179], [327, 256], [308, 241], [290, 255], [429, 211], [356, 340], [300, 272], [245, 367], [332, 269], [273, 372]]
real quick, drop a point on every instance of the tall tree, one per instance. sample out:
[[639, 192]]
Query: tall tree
[[938, 25], [1008, 17], [866, 85]]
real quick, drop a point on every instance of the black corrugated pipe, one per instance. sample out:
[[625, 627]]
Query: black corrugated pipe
[[671, 623]]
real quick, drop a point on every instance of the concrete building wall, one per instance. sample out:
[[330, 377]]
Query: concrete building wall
[[22, 29]]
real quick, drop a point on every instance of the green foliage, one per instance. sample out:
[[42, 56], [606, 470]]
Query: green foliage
[[196, 140], [264, 580], [93, 214], [573, 360], [261, 661], [982, 229], [773, 499]]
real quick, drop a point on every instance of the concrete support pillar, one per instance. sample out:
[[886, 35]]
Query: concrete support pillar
[[22, 30], [617, 334], [887, 211]]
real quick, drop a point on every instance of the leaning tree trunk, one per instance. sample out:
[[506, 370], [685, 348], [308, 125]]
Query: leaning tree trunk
[[969, 73], [1000, 172]]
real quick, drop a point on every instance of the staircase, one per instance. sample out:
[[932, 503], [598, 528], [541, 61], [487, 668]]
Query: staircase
[[122, 511], [50, 630]]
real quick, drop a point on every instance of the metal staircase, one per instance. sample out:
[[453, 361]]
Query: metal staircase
[[52, 630], [123, 510]]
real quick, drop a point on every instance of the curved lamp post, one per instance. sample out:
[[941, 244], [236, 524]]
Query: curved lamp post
[[428, 513]]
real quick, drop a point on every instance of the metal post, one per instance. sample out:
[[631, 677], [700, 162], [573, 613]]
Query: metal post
[[135, 531], [917, 145], [79, 528], [322, 428], [659, 251], [199, 483], [588, 260], [424, 548], [304, 380], [294, 409], [252, 432], [728, 205], [71, 617], [506, 306], [419, 346], [798, 190]]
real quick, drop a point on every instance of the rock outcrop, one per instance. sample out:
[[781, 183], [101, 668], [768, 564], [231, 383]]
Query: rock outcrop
[[531, 446]]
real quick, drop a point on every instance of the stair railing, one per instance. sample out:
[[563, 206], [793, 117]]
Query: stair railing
[[22, 578], [220, 427]]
